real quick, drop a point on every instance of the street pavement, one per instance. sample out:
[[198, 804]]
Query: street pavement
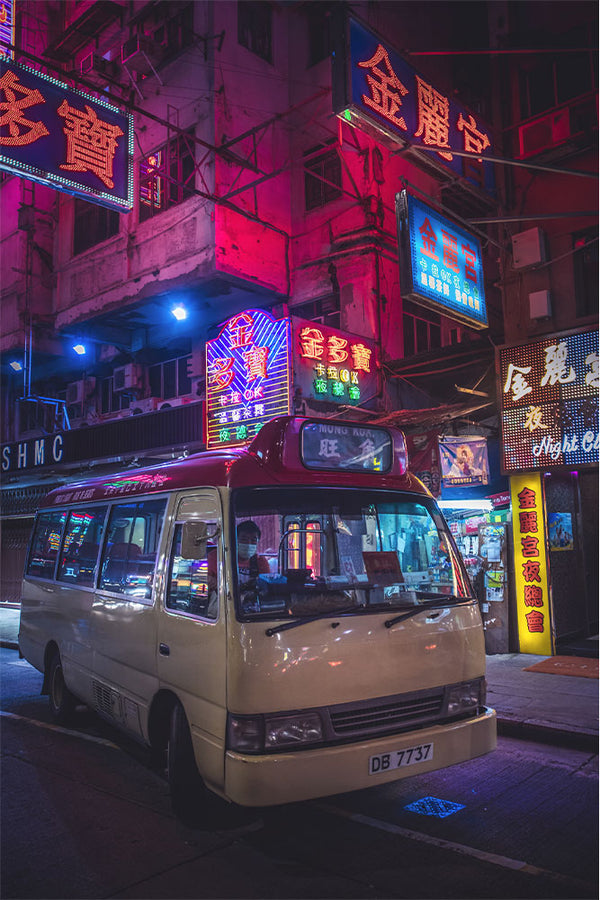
[[556, 709]]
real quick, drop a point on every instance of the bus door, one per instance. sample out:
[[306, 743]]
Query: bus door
[[192, 633], [123, 620]]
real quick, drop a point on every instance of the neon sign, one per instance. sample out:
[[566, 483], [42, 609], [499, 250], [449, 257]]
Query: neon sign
[[441, 265], [549, 402], [64, 138], [247, 377], [531, 565], [7, 24], [373, 86], [333, 365]]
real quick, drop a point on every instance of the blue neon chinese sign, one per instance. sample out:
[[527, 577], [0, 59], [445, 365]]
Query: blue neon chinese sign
[[247, 377], [7, 23], [549, 402], [374, 86], [441, 264], [64, 138]]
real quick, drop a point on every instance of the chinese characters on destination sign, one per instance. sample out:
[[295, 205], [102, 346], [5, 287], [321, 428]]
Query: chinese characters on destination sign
[[354, 448], [530, 565], [550, 402], [53, 134], [247, 377]]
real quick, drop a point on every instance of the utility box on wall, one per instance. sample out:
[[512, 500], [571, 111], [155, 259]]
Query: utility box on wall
[[529, 248], [539, 305]]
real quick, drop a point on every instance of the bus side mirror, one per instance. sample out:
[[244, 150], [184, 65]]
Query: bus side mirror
[[194, 537]]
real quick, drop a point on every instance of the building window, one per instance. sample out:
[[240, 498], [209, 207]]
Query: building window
[[92, 224], [255, 27], [175, 32], [554, 81], [322, 176], [585, 262], [167, 176], [422, 330], [319, 34], [110, 400], [326, 311], [170, 379]]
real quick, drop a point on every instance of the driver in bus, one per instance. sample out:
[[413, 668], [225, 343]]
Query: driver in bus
[[250, 564]]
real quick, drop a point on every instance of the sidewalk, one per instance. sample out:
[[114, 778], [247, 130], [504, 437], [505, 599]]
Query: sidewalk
[[556, 709]]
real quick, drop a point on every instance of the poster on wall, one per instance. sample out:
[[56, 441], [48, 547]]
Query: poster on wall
[[534, 621], [560, 531], [464, 461]]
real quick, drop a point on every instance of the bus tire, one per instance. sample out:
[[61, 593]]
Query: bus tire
[[185, 784], [62, 702]]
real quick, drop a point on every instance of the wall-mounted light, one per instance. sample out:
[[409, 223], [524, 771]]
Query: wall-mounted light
[[79, 349], [16, 366], [180, 312]]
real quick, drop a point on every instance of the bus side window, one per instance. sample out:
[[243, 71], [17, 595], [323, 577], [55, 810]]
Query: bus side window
[[129, 556], [79, 553], [45, 544], [192, 584]]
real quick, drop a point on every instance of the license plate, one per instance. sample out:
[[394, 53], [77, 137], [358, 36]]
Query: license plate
[[385, 762]]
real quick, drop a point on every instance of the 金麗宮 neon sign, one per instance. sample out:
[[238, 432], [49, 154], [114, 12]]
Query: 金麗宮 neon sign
[[332, 365], [247, 377], [64, 138], [531, 566], [440, 263], [375, 87], [549, 399]]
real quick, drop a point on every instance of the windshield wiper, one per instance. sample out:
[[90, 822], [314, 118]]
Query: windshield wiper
[[285, 626], [434, 604]]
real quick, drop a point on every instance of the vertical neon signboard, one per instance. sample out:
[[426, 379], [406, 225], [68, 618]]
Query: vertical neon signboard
[[247, 377], [531, 565], [64, 138], [549, 401], [333, 365], [7, 24], [441, 265]]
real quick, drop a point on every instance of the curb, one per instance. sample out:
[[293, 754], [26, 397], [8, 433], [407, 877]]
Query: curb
[[10, 645], [547, 734]]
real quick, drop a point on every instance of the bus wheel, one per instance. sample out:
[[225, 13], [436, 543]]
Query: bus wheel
[[62, 701], [185, 784]]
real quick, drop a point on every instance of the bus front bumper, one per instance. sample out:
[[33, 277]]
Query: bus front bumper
[[274, 779]]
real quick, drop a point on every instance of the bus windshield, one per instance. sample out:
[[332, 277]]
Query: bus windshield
[[308, 551]]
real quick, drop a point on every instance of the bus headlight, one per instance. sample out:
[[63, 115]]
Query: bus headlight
[[282, 731], [466, 696], [257, 734]]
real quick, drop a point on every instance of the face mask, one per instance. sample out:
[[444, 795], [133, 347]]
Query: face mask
[[245, 551]]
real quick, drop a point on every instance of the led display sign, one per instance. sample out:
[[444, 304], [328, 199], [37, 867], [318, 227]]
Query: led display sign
[[333, 365], [346, 447], [64, 138], [374, 87], [7, 23], [440, 263], [549, 402], [247, 377], [531, 565]]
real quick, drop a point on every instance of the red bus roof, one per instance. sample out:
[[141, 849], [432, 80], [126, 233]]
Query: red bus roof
[[273, 458]]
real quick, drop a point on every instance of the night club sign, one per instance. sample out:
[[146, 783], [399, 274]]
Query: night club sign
[[375, 88], [64, 138], [549, 402], [247, 377], [440, 263]]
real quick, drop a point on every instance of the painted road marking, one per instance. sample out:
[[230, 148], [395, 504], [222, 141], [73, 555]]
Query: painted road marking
[[57, 728]]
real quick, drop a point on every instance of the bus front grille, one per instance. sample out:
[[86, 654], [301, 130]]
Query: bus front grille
[[388, 716]]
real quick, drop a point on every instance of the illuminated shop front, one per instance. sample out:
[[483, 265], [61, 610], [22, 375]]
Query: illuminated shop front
[[549, 406]]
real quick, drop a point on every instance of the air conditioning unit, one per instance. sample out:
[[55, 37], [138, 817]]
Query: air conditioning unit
[[127, 377], [545, 132], [539, 305], [94, 66], [141, 53], [528, 248], [77, 391], [175, 401], [148, 404]]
